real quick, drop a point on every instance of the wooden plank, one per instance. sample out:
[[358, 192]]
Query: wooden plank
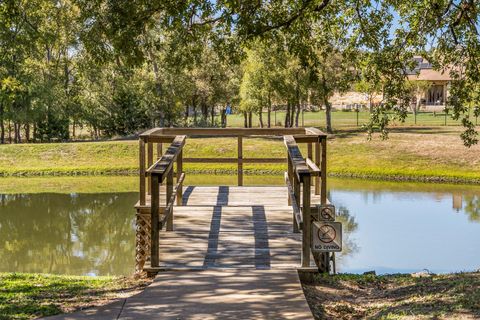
[[315, 131], [240, 161], [149, 162], [179, 191], [231, 131], [315, 171], [142, 171], [299, 166], [154, 225], [323, 191], [165, 164], [306, 232], [317, 162], [297, 214], [170, 198], [234, 160], [150, 132]]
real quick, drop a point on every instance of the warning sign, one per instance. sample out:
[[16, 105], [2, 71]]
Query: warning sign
[[327, 212], [326, 236]]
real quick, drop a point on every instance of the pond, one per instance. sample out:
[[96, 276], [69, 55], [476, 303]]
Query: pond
[[85, 225]]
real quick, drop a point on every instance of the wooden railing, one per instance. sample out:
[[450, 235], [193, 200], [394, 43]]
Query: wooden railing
[[299, 177], [302, 175], [161, 173], [302, 135]]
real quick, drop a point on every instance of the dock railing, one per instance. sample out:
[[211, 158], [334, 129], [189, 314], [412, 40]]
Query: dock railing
[[303, 173]]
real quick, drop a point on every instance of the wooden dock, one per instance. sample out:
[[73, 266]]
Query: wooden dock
[[232, 227]]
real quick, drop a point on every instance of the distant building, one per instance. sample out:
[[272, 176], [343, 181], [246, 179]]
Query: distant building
[[436, 95], [433, 99]]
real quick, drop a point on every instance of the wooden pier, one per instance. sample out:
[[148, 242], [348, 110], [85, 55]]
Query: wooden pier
[[194, 227]]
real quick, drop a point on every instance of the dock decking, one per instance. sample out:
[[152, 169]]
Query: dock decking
[[232, 227]]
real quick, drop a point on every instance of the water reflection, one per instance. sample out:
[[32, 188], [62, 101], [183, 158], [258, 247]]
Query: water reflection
[[67, 233], [388, 227], [402, 230]]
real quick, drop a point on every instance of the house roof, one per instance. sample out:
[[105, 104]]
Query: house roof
[[424, 71]]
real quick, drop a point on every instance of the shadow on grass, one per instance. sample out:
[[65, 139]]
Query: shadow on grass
[[392, 296]]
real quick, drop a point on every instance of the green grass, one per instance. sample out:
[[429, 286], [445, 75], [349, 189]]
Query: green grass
[[426, 154], [28, 296], [400, 296], [344, 119]]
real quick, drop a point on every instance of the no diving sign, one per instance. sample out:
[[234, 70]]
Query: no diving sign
[[326, 236]]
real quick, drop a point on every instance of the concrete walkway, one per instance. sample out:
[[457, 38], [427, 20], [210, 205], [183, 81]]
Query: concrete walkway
[[211, 294]]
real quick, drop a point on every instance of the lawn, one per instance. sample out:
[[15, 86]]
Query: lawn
[[401, 296], [29, 296], [417, 153], [346, 119]]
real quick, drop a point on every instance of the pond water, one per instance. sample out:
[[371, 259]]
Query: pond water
[[388, 227]]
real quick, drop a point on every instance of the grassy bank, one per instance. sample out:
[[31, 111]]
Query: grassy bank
[[416, 154], [29, 296], [451, 296]]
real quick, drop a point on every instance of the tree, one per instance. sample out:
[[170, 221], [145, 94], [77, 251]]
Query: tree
[[418, 89]]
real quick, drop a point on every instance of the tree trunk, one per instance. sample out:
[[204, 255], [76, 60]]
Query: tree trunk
[[260, 117], [194, 106], [292, 114], [287, 116], [328, 115], [27, 132], [223, 119], [212, 113], [250, 119], [2, 126], [16, 129], [245, 120], [269, 111], [9, 132], [297, 114]]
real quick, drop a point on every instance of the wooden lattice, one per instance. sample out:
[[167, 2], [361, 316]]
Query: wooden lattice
[[142, 245]]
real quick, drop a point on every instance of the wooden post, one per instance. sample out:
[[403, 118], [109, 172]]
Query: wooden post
[[323, 168], [179, 174], [159, 150], [169, 192], [306, 222], [154, 222], [310, 154], [317, 162], [142, 171], [296, 191], [149, 161], [290, 177], [240, 161]]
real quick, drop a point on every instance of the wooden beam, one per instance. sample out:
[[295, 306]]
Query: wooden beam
[[169, 194], [165, 164], [306, 232], [149, 162], [240, 161], [234, 160], [225, 132], [323, 169], [154, 221], [299, 165], [141, 161], [179, 191], [315, 131], [317, 162], [315, 171], [297, 213]]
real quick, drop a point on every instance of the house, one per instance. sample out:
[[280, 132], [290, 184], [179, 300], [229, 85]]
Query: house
[[435, 96]]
